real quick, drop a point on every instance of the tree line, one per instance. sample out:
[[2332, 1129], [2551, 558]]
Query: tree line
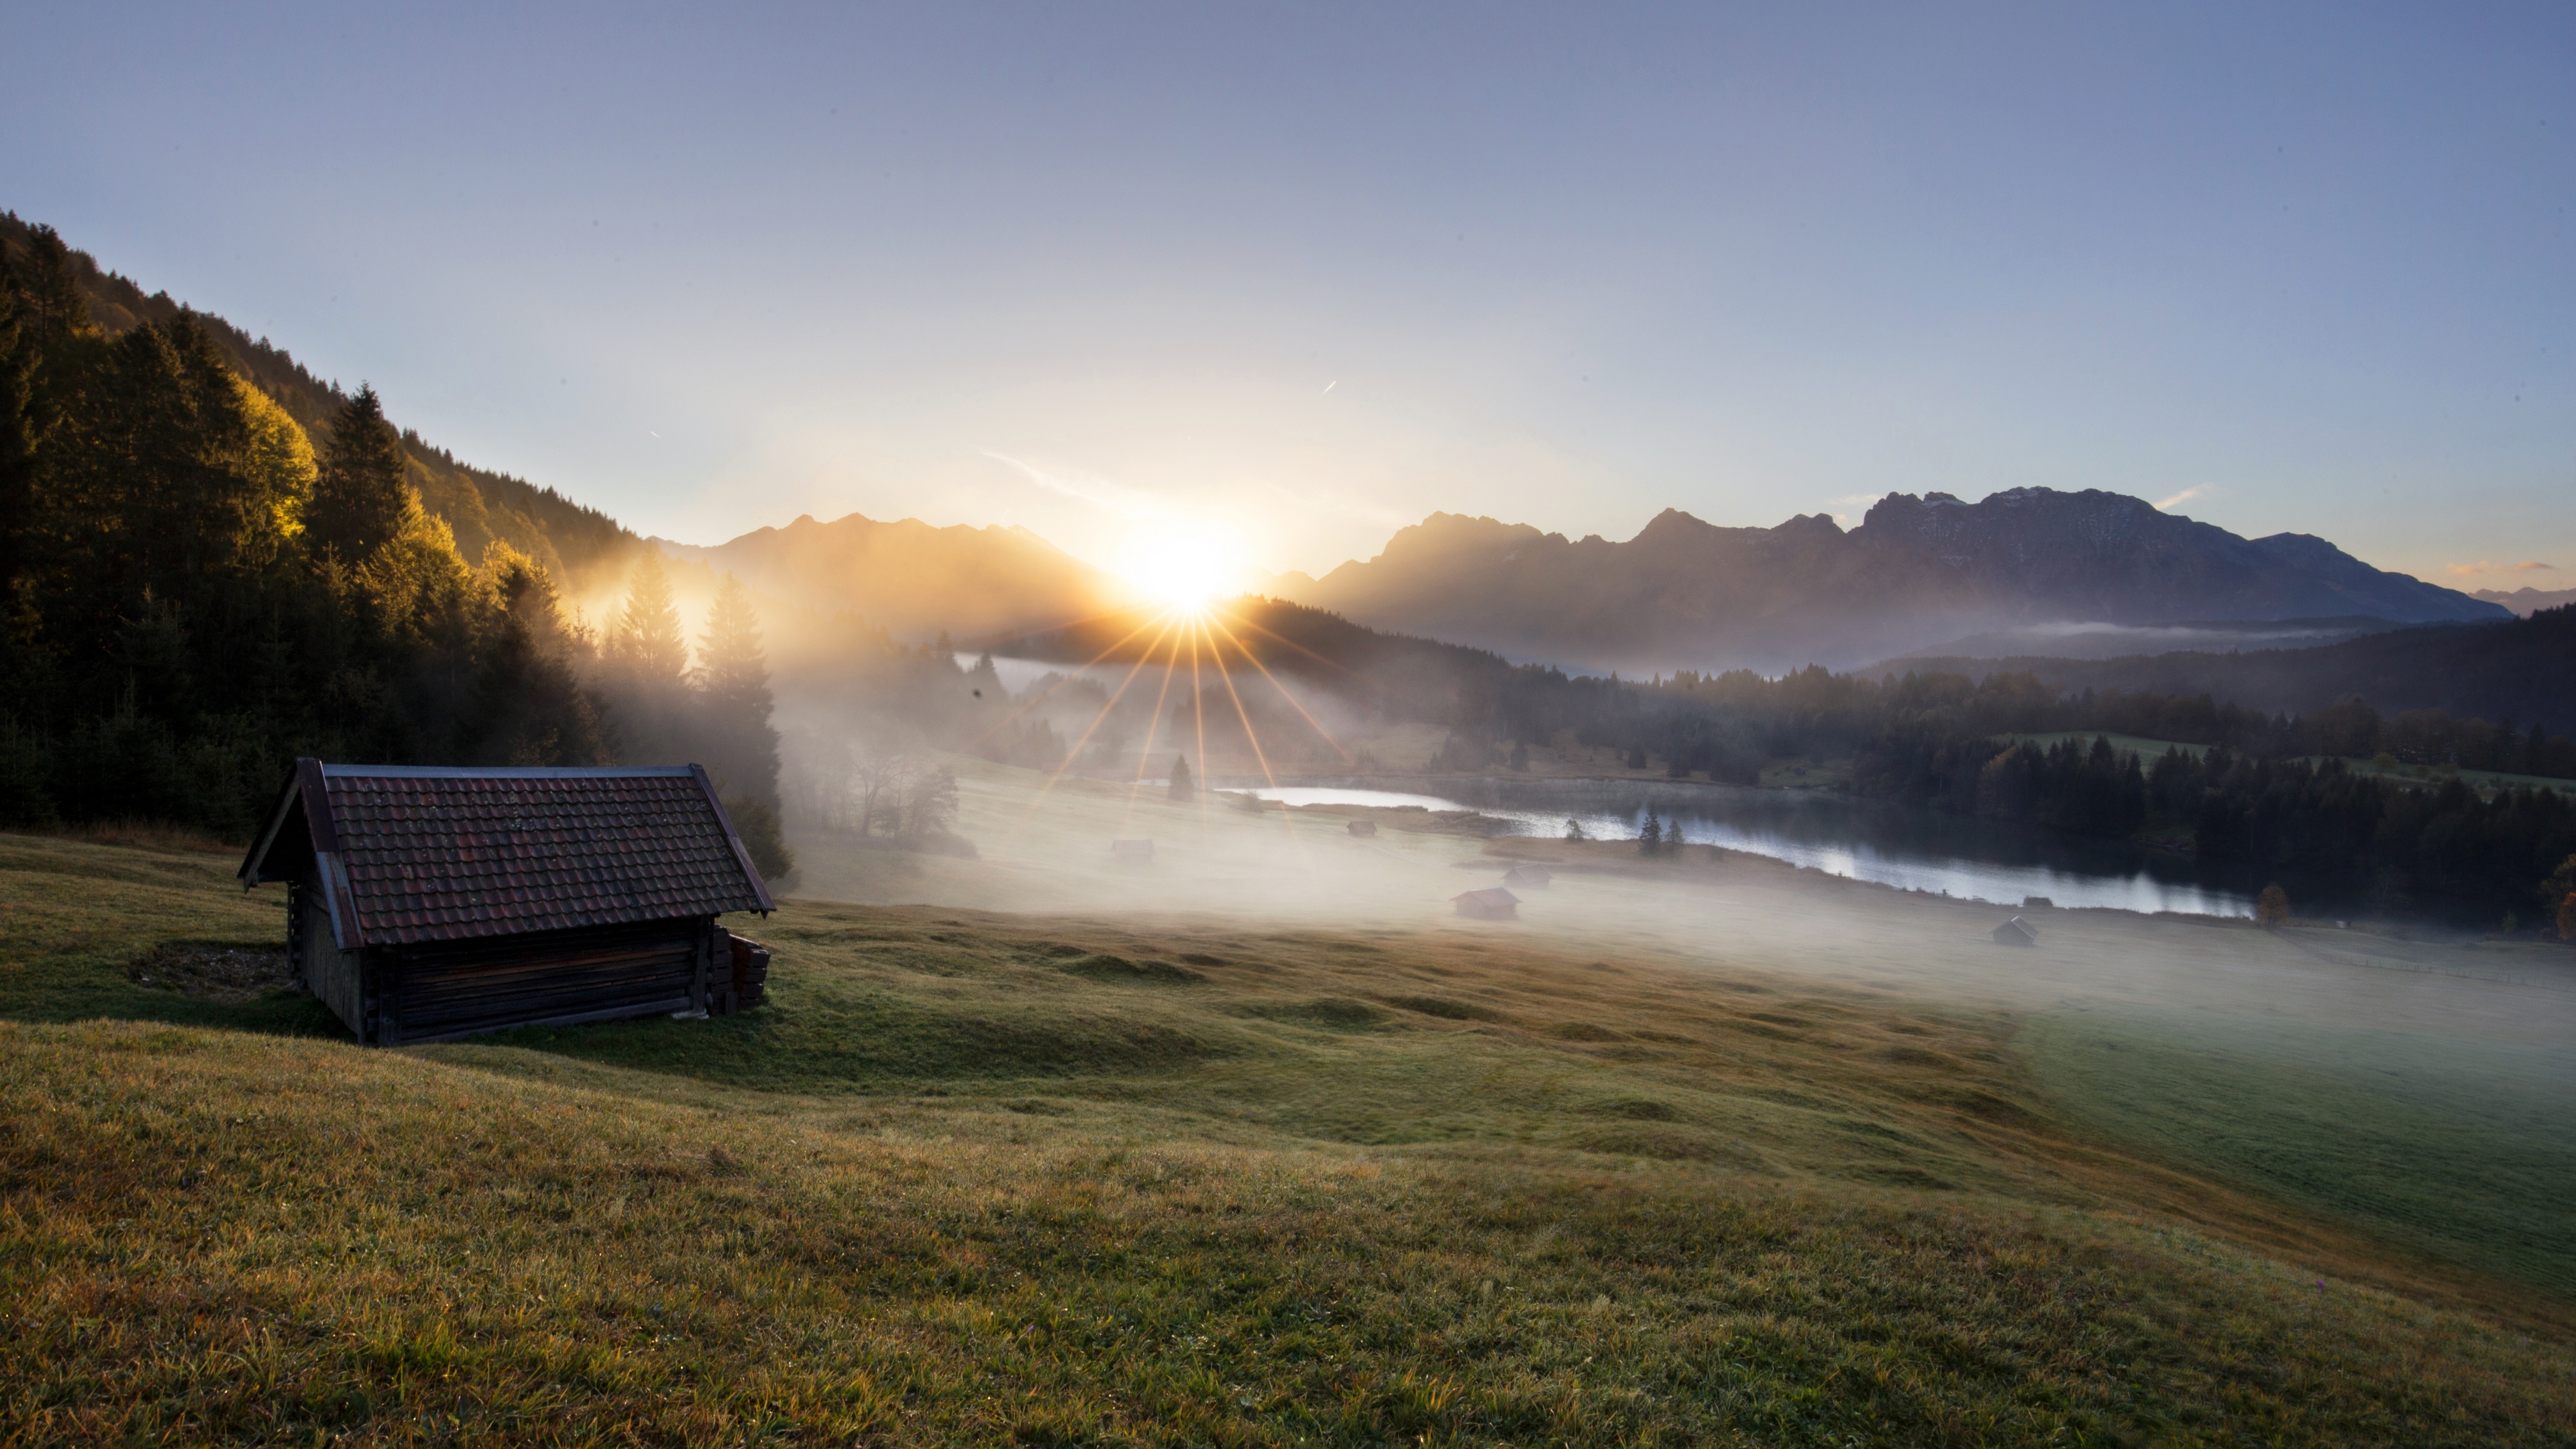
[[194, 590], [2265, 793]]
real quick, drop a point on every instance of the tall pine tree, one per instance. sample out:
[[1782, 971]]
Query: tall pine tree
[[359, 496], [645, 642], [40, 305], [739, 744], [646, 685]]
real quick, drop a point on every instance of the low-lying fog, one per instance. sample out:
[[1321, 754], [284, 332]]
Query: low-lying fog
[[1048, 850]]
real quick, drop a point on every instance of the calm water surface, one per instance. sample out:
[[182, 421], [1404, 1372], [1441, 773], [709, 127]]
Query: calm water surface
[[1859, 839]]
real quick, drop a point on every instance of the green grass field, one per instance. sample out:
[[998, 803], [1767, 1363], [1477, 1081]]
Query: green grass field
[[2485, 782], [2145, 749], [2462, 1151], [1181, 1178]]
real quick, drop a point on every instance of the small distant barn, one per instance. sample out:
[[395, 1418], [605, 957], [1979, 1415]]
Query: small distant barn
[[1132, 852], [1362, 827], [1490, 904], [2016, 932], [1528, 877], [430, 903]]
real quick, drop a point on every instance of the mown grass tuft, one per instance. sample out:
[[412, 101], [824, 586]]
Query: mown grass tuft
[[1104, 967]]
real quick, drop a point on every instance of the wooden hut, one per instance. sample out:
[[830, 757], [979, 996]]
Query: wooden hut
[[426, 903], [1132, 852], [2016, 932], [1493, 903], [1528, 876], [1362, 827]]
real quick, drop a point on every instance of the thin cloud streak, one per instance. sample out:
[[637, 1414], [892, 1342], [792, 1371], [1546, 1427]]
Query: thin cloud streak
[[1088, 488], [2482, 566]]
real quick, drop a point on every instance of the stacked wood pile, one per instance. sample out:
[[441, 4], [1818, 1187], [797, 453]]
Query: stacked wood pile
[[746, 984]]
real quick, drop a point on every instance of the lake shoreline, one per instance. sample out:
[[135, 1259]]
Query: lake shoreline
[[1844, 835]]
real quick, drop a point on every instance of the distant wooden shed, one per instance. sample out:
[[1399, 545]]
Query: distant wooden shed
[[1493, 903], [1132, 852], [427, 903], [2016, 932], [1362, 827], [1528, 876]]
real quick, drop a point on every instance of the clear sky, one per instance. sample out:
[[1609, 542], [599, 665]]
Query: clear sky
[[1290, 276]]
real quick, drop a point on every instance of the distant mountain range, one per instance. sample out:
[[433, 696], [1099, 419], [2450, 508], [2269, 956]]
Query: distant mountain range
[[2527, 601], [1916, 572]]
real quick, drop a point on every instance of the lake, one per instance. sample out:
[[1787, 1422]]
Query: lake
[[1859, 839]]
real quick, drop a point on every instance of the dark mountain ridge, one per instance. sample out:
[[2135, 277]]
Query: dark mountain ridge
[[1689, 594]]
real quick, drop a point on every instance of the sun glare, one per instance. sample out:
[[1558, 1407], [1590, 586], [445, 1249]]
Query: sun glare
[[1182, 566]]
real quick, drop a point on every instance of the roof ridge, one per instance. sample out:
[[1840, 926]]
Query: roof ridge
[[502, 772]]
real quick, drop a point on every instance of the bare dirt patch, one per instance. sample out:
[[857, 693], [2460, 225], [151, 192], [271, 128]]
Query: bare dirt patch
[[229, 971]]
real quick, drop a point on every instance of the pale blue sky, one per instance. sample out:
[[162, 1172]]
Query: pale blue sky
[[1094, 268]]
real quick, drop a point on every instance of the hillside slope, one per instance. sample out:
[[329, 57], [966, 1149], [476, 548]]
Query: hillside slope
[[912, 579], [1688, 594]]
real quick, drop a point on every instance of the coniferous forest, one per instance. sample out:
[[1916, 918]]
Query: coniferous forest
[[2266, 794]]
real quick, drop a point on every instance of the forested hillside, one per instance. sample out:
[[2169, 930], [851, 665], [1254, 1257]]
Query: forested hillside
[[2521, 669], [476, 504], [195, 588]]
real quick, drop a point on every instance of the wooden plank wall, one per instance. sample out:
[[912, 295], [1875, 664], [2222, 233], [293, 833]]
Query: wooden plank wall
[[446, 989], [327, 971]]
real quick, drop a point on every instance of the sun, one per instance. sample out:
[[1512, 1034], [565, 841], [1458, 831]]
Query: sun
[[1182, 566]]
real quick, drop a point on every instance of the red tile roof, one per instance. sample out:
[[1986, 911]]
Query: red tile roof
[[412, 854]]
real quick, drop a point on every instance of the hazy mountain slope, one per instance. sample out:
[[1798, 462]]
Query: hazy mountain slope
[[1403, 676], [913, 579], [1684, 593], [478, 504], [2527, 601]]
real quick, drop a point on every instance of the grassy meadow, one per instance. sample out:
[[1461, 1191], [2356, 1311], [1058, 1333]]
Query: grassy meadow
[[1180, 1167], [2455, 1149]]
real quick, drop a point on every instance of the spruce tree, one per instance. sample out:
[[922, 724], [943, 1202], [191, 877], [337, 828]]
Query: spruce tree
[[1650, 841], [40, 307], [733, 669], [646, 641], [645, 673], [359, 492], [734, 706], [1183, 792]]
